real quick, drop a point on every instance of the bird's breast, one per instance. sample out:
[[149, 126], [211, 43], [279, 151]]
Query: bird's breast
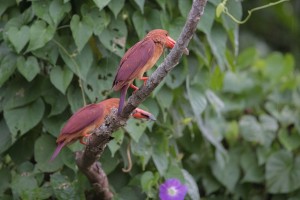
[[157, 53]]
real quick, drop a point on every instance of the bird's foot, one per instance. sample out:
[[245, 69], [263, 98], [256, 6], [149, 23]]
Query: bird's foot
[[144, 79], [134, 87]]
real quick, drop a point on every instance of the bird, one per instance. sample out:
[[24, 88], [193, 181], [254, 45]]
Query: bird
[[87, 119], [140, 58]]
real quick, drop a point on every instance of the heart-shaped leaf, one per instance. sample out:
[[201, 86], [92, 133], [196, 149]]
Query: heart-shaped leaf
[[40, 34], [61, 78], [101, 3], [18, 37], [8, 65], [81, 31], [29, 68], [22, 119]]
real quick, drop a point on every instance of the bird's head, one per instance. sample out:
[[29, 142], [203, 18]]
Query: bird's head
[[161, 36]]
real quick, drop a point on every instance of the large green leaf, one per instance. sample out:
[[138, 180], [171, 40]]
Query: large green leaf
[[19, 37], [57, 101], [22, 119], [114, 37], [191, 184], [101, 3], [143, 149], [282, 172], [61, 77], [24, 186], [5, 137], [58, 9], [40, 34], [7, 67], [140, 3], [43, 149], [63, 188], [135, 128], [115, 6], [29, 68], [81, 30]]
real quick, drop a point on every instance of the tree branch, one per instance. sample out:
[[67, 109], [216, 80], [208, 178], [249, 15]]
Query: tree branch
[[87, 161]]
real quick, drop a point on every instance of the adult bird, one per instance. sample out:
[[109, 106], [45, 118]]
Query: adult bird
[[87, 119], [140, 58]]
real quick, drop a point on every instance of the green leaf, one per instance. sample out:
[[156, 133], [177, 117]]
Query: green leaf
[[29, 68], [5, 138], [115, 144], [252, 171], [18, 37], [20, 92], [142, 149], [177, 76], [148, 181], [43, 149], [24, 145], [216, 79], [237, 83], [7, 67], [135, 128], [5, 178], [164, 99], [206, 22], [80, 63], [217, 40], [251, 130], [4, 5], [140, 24], [140, 3], [215, 101], [24, 186], [40, 34], [184, 7], [101, 3], [81, 31], [228, 174], [58, 9], [101, 76], [116, 6], [282, 172], [114, 37], [61, 78], [75, 98], [98, 20], [191, 184], [41, 9], [289, 139], [197, 99], [246, 58], [57, 101], [160, 155], [22, 119], [62, 187]]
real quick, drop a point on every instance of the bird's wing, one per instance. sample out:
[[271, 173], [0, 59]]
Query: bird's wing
[[133, 61], [83, 118]]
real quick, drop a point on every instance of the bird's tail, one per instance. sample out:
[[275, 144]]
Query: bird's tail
[[122, 98], [57, 150]]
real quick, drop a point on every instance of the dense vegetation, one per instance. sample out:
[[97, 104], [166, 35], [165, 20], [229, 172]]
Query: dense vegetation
[[228, 120]]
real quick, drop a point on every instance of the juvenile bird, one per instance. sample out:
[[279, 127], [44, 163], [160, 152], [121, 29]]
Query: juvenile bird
[[87, 119], [140, 58]]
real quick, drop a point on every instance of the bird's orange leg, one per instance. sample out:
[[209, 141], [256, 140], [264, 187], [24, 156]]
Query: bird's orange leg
[[134, 87], [84, 138], [144, 78]]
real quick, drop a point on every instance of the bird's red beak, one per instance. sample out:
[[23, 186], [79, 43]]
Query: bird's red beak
[[141, 114], [170, 42]]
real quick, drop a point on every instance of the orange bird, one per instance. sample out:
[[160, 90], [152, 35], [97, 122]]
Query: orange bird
[[87, 119], [140, 58]]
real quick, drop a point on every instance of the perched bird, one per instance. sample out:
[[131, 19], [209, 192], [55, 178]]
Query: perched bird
[[87, 119], [140, 58]]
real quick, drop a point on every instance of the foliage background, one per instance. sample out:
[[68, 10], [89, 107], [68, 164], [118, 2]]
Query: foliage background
[[228, 115]]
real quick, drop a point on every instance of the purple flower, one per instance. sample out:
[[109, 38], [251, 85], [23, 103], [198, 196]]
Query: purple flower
[[172, 189]]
